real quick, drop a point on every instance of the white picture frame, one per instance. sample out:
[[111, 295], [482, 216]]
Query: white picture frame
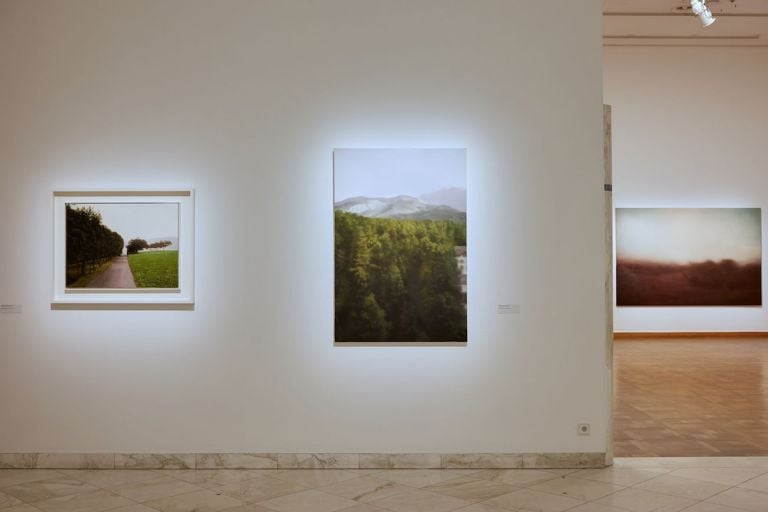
[[84, 297]]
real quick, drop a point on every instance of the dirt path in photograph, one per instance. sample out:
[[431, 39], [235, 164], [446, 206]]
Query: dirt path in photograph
[[118, 275]]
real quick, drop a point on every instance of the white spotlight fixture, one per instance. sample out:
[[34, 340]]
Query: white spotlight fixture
[[701, 10]]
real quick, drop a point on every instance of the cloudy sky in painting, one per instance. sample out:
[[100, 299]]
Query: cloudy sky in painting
[[685, 235], [139, 220], [394, 172]]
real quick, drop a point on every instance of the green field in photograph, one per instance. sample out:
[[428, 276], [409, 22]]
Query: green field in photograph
[[155, 269]]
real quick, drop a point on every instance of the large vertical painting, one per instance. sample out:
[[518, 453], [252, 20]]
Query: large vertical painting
[[688, 257], [400, 221], [123, 247]]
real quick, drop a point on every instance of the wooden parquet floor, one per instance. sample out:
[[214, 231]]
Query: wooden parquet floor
[[695, 398]]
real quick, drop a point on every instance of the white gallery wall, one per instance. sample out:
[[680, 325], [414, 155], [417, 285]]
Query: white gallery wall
[[244, 101], [689, 130]]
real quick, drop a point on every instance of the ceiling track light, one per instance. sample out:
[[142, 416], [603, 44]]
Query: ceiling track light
[[700, 9]]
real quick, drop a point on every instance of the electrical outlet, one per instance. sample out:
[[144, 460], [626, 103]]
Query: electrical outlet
[[583, 429]]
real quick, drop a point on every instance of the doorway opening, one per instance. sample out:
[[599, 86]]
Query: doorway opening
[[687, 104]]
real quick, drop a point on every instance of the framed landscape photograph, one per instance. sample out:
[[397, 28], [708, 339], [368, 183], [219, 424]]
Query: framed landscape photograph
[[400, 246], [688, 257], [123, 248]]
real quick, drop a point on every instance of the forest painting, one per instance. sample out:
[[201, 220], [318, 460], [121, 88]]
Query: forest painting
[[122, 245], [400, 220], [688, 257]]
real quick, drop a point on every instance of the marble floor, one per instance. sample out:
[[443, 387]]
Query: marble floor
[[694, 398], [631, 485]]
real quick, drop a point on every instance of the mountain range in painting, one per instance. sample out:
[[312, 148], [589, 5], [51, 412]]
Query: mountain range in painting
[[401, 207]]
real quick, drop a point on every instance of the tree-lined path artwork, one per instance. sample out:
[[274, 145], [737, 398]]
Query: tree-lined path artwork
[[400, 220], [122, 245]]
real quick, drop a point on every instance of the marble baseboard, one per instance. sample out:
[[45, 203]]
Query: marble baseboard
[[57, 460], [401, 461], [318, 461], [482, 461], [236, 460], [155, 461], [301, 460]]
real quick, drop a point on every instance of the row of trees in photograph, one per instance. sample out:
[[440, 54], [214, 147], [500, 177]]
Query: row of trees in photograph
[[137, 244], [89, 242], [398, 280]]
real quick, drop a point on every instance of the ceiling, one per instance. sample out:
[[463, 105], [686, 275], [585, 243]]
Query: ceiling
[[671, 23]]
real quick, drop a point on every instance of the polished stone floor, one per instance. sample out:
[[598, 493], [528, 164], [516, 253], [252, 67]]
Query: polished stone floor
[[692, 398], [631, 485]]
